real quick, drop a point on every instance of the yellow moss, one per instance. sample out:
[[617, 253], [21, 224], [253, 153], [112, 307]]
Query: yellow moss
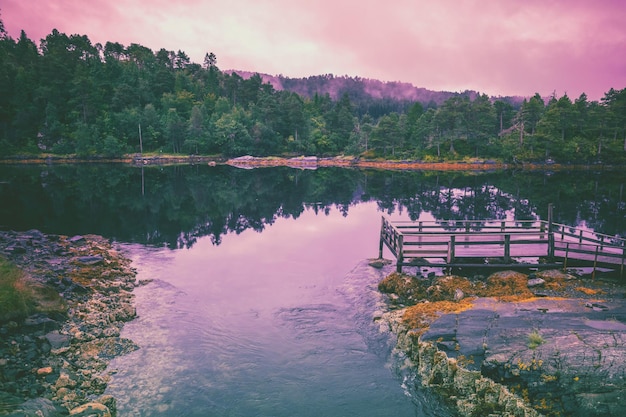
[[409, 289], [448, 285], [421, 315], [507, 286], [589, 291]]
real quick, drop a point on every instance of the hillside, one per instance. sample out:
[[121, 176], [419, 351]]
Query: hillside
[[362, 88]]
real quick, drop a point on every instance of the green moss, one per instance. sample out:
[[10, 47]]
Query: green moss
[[21, 297]]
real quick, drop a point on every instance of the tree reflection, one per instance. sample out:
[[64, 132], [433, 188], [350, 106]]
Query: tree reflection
[[180, 204]]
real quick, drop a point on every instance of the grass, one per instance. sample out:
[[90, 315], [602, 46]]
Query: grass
[[21, 297], [535, 340]]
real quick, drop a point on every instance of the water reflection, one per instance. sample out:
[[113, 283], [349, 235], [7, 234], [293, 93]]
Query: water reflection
[[175, 206]]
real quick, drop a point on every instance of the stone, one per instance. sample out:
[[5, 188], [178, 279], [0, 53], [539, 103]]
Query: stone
[[37, 407], [40, 322], [379, 263], [44, 371], [535, 282], [65, 381], [34, 234], [110, 402], [458, 294], [91, 410], [89, 260], [57, 340], [76, 239]]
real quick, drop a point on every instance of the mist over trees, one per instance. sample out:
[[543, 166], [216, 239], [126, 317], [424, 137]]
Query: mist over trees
[[69, 96]]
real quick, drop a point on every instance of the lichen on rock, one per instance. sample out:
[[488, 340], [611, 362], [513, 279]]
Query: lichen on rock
[[509, 348]]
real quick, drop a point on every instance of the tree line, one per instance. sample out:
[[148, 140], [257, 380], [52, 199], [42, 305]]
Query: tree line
[[69, 96]]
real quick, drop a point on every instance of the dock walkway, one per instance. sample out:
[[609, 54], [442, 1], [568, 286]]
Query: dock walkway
[[492, 243]]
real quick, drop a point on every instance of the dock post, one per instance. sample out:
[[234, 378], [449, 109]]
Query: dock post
[[621, 270], [400, 258], [550, 233], [595, 264], [451, 249], [382, 234], [507, 248]]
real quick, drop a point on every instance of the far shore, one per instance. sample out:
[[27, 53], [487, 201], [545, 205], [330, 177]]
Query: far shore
[[308, 162]]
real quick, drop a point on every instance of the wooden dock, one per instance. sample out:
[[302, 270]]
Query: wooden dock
[[493, 243]]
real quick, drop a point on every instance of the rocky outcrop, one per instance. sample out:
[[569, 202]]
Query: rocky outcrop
[[555, 348], [51, 363]]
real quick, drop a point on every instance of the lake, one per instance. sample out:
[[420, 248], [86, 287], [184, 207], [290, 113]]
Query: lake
[[261, 302]]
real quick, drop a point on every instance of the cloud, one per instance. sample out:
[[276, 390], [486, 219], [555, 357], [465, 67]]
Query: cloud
[[494, 46]]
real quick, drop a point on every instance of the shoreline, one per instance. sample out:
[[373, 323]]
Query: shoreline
[[545, 344], [308, 162], [54, 364], [58, 364]]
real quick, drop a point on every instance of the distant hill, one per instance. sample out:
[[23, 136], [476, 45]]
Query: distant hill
[[363, 88]]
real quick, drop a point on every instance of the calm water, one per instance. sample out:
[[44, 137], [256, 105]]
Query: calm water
[[260, 302]]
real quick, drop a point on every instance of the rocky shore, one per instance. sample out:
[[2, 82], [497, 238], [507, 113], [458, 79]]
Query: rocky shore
[[548, 343], [312, 162], [53, 361]]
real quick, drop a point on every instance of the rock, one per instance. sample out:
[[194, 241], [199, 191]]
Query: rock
[[91, 410], [110, 402], [44, 371], [39, 322], [596, 306], [379, 263], [64, 381], [536, 282], [57, 340], [458, 294], [38, 407], [34, 234], [89, 260], [15, 249], [76, 239]]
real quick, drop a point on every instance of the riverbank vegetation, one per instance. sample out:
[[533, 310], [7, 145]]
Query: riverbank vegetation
[[20, 298], [67, 96]]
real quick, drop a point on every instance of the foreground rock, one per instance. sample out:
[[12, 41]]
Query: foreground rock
[[53, 362], [512, 345]]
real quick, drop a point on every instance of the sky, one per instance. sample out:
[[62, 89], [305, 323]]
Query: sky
[[497, 47]]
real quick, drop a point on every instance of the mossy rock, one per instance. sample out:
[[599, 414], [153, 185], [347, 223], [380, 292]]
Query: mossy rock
[[408, 289]]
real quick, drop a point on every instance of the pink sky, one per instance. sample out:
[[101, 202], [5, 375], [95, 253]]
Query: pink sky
[[499, 47]]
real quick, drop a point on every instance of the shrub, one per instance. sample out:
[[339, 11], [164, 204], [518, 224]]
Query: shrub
[[535, 340]]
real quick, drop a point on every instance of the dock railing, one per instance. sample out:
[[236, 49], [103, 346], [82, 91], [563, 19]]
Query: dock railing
[[456, 241]]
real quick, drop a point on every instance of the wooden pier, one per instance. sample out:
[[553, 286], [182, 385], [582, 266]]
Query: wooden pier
[[502, 244]]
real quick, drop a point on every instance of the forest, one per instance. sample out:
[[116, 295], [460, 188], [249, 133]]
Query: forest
[[67, 96]]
